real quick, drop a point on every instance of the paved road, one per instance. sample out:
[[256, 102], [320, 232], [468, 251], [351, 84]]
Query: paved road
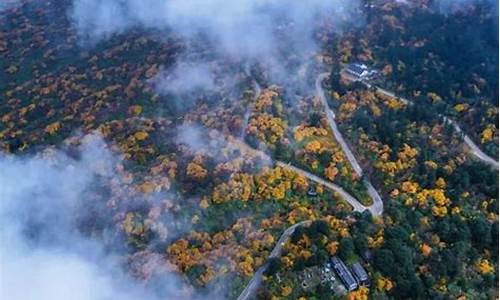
[[377, 208], [468, 141], [254, 283], [356, 205], [474, 148]]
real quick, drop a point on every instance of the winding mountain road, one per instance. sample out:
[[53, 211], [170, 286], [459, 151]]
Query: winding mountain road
[[377, 208], [473, 147], [468, 141], [356, 205], [254, 283]]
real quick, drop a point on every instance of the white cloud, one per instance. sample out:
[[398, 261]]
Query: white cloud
[[5, 4], [242, 28], [185, 78], [43, 254]]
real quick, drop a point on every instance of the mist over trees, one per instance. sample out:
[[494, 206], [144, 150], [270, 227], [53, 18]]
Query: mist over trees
[[161, 149]]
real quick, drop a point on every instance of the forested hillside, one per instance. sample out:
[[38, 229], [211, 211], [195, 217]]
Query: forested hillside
[[163, 150]]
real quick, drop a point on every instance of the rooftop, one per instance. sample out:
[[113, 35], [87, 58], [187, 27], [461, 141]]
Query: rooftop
[[359, 272], [357, 68], [344, 273]]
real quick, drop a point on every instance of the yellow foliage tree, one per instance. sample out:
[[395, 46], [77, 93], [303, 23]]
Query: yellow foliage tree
[[431, 164], [332, 247], [439, 211], [313, 146], [141, 135], [239, 187], [331, 172], [440, 183], [147, 187], [425, 249], [204, 203], [384, 284], [461, 107], [196, 171], [300, 183], [434, 97], [409, 187], [486, 135], [267, 128], [484, 267], [286, 291], [53, 128], [135, 110], [302, 132], [359, 294], [439, 197]]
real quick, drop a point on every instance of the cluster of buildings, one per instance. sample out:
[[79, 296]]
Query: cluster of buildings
[[351, 278], [358, 72]]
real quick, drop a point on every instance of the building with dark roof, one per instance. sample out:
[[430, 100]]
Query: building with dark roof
[[359, 71], [344, 274], [360, 274]]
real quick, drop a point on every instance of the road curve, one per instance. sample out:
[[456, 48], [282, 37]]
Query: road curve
[[254, 283], [468, 141], [377, 208], [356, 205], [473, 147]]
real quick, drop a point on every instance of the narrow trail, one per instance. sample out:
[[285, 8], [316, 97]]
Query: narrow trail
[[377, 208], [475, 150]]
